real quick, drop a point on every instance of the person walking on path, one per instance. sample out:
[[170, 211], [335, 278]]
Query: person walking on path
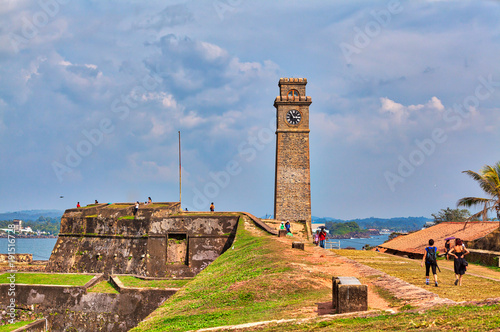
[[447, 247], [322, 238], [430, 261], [212, 207], [316, 238], [459, 264]]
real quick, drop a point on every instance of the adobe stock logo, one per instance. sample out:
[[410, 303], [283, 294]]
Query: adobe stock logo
[[31, 27], [364, 36], [454, 117], [121, 108]]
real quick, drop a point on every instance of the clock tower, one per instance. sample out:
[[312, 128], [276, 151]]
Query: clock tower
[[292, 190]]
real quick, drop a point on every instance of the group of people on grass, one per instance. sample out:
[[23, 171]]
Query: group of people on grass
[[458, 253]]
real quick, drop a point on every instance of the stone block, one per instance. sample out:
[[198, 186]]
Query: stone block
[[282, 233], [298, 245], [349, 295]]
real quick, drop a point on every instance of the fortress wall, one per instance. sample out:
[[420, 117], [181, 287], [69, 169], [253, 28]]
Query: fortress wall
[[157, 242], [73, 309]]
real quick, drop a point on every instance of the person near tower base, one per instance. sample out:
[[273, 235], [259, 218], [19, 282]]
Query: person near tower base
[[322, 238], [287, 227]]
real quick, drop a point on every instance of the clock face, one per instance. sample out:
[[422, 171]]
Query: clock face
[[293, 117]]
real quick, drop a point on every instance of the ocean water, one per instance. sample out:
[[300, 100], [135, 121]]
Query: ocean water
[[39, 248], [42, 248], [360, 243]]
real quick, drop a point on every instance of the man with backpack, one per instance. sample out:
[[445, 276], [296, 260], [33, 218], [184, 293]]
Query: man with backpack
[[430, 260]]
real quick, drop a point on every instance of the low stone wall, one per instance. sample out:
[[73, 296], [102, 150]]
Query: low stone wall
[[18, 258], [72, 308], [485, 257]]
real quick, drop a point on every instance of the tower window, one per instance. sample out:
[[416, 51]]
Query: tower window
[[293, 95]]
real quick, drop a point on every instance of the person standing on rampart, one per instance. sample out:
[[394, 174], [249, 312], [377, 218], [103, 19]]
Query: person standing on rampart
[[136, 207], [212, 207]]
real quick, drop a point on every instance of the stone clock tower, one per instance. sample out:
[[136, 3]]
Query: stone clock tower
[[292, 191]]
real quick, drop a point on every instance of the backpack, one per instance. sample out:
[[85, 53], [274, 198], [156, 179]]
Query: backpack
[[431, 255]]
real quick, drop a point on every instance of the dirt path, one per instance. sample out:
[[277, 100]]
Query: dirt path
[[474, 270], [318, 260]]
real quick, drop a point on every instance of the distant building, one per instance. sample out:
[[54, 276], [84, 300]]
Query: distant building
[[429, 224], [17, 225], [27, 230], [413, 244]]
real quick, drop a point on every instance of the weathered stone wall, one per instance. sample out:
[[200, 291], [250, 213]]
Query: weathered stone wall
[[158, 242], [73, 309], [18, 258], [293, 178]]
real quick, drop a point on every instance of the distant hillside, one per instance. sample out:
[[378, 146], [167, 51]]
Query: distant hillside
[[395, 224], [32, 215]]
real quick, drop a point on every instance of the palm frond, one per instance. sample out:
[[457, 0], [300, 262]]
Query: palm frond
[[484, 183], [471, 201]]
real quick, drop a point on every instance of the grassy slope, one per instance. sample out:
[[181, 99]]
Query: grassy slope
[[47, 279], [249, 283], [131, 281], [14, 326], [455, 318], [103, 287]]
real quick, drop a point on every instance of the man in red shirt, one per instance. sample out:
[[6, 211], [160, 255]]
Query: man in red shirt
[[322, 238]]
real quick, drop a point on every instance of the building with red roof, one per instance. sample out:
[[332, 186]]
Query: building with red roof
[[413, 245]]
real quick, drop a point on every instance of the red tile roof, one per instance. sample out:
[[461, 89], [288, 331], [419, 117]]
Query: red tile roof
[[417, 241]]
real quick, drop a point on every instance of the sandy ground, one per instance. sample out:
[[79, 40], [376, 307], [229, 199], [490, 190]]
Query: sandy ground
[[326, 262]]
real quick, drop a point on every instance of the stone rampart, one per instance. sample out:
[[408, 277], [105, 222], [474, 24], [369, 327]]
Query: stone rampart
[[74, 309], [18, 258], [158, 241]]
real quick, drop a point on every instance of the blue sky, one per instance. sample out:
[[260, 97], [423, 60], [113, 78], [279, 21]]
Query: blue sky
[[405, 97]]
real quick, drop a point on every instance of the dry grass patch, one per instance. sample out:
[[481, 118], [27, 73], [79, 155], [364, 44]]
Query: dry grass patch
[[473, 288]]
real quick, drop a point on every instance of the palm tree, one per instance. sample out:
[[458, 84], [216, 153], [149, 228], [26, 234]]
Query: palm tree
[[489, 180]]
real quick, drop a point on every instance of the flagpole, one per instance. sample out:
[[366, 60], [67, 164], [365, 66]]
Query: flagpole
[[180, 173]]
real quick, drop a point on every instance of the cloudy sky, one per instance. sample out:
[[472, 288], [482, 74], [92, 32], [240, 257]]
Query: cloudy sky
[[406, 96]]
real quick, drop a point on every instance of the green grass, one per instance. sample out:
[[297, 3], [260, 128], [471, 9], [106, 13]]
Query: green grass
[[126, 217], [454, 318], [103, 287], [473, 288], [47, 279], [14, 326], [119, 206], [204, 214], [253, 282], [130, 281]]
